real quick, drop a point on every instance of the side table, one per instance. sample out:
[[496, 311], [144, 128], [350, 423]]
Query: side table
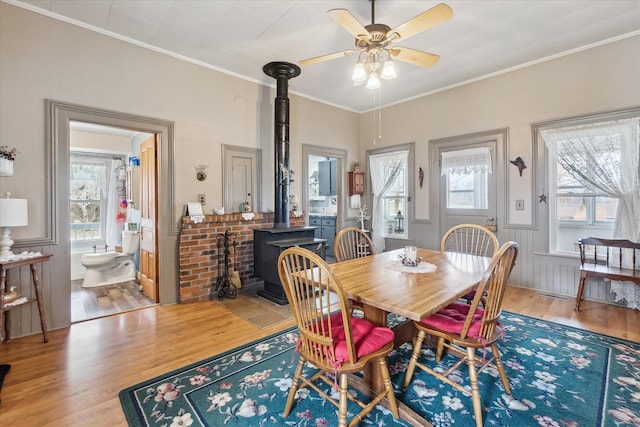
[[4, 283]]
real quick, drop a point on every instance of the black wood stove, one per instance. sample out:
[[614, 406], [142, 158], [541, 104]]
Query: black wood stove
[[270, 242]]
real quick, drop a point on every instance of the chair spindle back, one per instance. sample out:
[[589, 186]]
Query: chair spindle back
[[491, 288], [309, 284]]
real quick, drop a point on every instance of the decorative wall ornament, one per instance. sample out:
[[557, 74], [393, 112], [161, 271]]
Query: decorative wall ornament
[[420, 176], [519, 163], [542, 198]]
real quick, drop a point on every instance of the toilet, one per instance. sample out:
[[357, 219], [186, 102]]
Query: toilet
[[108, 268]]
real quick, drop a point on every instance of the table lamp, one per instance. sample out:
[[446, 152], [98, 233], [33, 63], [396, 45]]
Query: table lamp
[[13, 213]]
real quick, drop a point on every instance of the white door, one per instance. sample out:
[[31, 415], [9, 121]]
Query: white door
[[240, 178]]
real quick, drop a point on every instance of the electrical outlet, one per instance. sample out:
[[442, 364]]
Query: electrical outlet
[[519, 205], [202, 199]]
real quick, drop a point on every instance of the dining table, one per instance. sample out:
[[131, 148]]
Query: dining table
[[382, 284]]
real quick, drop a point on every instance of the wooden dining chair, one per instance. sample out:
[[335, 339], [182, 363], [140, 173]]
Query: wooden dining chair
[[470, 239], [464, 328], [335, 343], [351, 243]]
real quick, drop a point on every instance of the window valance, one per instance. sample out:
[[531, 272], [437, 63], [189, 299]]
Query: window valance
[[466, 161]]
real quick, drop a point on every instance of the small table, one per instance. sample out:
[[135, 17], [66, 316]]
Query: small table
[[4, 282]]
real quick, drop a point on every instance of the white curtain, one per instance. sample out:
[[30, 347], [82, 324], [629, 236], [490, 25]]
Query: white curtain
[[466, 161], [113, 228], [384, 169], [606, 157]]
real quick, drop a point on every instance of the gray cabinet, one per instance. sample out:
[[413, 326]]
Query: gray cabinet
[[328, 178], [325, 229]]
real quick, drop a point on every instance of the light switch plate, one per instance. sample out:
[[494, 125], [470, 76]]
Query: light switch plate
[[519, 205]]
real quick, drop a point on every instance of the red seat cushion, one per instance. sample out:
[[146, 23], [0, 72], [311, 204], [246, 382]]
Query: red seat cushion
[[367, 337], [452, 317]]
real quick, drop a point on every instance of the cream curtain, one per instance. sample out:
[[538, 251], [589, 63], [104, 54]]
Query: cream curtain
[[466, 161], [606, 156], [384, 169]]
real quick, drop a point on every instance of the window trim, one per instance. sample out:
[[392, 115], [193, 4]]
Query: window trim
[[543, 245]]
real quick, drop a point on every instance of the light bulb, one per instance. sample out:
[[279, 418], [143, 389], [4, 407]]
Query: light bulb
[[359, 73], [388, 70], [374, 81]]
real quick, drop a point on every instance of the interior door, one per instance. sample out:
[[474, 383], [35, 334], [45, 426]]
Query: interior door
[[452, 213], [241, 169], [242, 182], [149, 227]]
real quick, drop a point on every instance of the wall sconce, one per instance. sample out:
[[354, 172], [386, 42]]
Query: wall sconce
[[13, 213], [201, 172]]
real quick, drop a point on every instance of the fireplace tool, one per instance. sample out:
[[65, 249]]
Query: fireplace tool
[[224, 283]]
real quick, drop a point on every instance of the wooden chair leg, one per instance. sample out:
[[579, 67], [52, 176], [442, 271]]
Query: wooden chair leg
[[475, 391], [501, 371], [294, 387], [580, 291], [391, 397], [342, 409], [440, 349], [414, 358]]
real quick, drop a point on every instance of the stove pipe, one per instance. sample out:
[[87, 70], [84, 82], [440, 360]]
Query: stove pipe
[[282, 72]]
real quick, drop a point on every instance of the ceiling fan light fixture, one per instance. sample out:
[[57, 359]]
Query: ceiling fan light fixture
[[388, 70], [359, 72], [374, 81]]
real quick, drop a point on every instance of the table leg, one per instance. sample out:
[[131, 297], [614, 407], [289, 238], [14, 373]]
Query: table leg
[[372, 377], [36, 285]]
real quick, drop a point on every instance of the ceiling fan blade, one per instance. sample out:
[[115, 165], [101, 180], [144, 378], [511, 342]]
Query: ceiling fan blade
[[327, 57], [429, 19], [415, 57], [349, 23]]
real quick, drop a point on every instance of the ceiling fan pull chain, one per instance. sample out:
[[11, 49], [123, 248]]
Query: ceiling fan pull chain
[[377, 118]]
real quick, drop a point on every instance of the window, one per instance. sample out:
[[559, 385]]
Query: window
[[591, 177], [466, 173], [394, 203], [388, 169], [87, 196]]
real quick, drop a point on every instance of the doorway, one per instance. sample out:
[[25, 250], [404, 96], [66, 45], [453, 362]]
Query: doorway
[[104, 205], [323, 198], [469, 173], [59, 115]]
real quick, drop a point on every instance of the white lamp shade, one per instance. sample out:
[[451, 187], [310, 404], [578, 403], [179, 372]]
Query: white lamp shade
[[388, 70], [374, 81], [359, 73], [13, 212]]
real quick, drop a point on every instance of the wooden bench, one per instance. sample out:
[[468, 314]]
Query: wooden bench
[[607, 259]]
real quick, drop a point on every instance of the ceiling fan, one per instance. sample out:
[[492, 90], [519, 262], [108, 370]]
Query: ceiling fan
[[373, 43]]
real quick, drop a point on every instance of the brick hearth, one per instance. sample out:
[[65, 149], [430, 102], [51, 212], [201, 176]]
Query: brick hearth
[[198, 251]]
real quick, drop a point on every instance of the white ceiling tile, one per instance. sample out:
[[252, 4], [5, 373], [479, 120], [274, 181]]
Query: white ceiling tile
[[94, 13], [131, 27], [172, 33], [149, 11]]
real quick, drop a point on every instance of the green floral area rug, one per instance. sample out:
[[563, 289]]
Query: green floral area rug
[[559, 376]]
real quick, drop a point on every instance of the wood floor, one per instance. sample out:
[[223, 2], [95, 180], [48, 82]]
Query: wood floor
[[91, 303], [74, 380]]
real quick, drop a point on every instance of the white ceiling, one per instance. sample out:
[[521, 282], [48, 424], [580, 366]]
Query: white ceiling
[[238, 37]]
